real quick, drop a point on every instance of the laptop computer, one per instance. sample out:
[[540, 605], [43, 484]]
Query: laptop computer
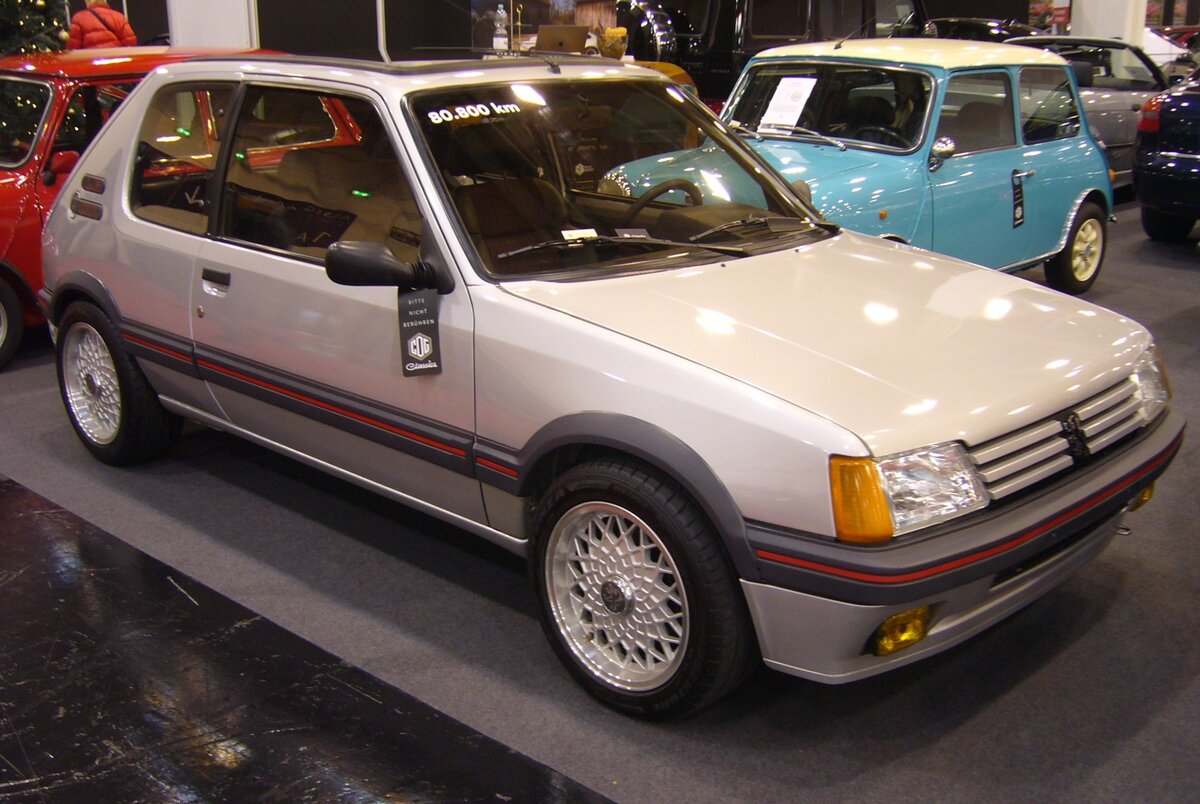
[[561, 38]]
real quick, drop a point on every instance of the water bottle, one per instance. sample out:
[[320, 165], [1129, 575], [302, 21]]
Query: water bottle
[[500, 34]]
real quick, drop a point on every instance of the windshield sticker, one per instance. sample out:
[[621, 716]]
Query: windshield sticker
[[471, 111], [578, 234], [788, 101]]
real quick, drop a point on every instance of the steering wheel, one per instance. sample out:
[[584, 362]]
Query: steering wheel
[[693, 193], [888, 134]]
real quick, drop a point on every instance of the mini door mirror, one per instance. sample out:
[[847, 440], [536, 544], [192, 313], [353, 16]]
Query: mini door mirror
[[943, 148], [61, 163]]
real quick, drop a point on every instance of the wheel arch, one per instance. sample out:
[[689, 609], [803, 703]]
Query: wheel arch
[[580, 437], [81, 286]]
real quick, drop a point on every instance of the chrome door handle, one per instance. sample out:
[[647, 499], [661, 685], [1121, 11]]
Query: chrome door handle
[[1024, 174]]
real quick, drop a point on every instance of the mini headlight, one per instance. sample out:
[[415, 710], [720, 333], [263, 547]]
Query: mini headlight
[[1154, 386], [917, 488]]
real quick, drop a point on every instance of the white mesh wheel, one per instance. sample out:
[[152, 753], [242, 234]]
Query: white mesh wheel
[[616, 596]]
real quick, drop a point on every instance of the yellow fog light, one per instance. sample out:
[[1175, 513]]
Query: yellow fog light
[[860, 509], [901, 630], [1143, 498]]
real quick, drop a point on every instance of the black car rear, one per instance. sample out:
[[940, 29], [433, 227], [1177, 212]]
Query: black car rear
[[1166, 168]]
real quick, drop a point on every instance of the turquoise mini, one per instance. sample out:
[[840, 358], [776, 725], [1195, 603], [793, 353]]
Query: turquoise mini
[[971, 149]]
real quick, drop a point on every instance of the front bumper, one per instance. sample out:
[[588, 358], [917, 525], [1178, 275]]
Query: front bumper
[[816, 611], [1173, 188]]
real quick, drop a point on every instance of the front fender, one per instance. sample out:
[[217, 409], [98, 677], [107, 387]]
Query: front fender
[[515, 472]]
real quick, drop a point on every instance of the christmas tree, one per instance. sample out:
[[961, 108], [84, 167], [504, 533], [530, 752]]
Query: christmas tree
[[28, 26]]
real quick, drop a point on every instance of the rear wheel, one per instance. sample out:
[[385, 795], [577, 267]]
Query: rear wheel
[[12, 323], [1075, 268], [112, 407], [636, 596], [1165, 227]]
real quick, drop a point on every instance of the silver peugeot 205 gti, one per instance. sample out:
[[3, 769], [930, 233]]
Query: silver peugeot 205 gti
[[720, 428]]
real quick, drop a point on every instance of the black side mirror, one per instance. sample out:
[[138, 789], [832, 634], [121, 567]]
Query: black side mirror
[[365, 263]]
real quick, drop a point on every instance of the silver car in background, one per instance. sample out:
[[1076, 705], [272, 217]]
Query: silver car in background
[[722, 430]]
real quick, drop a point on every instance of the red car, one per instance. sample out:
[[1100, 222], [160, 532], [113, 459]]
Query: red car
[[51, 106]]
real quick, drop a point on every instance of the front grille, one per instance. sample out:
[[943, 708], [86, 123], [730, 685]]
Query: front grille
[[1027, 456], [1180, 135]]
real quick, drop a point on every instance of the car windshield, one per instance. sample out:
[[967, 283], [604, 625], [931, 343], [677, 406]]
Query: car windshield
[[1110, 67], [23, 105], [585, 177], [855, 105]]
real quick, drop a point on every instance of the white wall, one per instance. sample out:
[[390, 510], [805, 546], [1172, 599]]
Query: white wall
[[216, 23], [1123, 19]]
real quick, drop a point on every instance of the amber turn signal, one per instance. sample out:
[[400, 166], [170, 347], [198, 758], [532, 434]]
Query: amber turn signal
[[861, 512], [901, 631]]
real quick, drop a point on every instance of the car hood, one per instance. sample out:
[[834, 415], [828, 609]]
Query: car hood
[[898, 345], [817, 162]]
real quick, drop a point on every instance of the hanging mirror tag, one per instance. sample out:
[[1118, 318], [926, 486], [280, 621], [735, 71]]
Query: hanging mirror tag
[[419, 333]]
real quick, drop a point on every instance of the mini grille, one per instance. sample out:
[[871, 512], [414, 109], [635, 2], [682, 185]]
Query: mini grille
[[1018, 460]]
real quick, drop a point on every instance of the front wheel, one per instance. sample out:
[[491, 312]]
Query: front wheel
[[1075, 268], [636, 596], [1165, 227], [12, 323], [112, 407]]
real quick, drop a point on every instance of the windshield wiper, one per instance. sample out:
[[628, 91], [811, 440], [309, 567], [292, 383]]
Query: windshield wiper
[[738, 128], [807, 132], [608, 240], [770, 222]]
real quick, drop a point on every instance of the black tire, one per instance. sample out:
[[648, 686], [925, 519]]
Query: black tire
[[1074, 269], [12, 323], [1164, 227], [112, 407], [592, 603]]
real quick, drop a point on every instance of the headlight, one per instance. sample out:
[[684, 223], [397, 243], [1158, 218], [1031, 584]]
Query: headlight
[[615, 182], [1154, 386], [875, 499]]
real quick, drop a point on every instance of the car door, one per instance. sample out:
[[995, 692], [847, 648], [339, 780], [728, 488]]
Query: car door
[[977, 193], [375, 384], [1055, 155]]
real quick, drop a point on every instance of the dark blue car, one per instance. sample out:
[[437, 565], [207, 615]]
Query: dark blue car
[[1166, 167]]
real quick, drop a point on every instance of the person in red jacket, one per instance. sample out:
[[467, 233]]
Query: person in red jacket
[[100, 26]]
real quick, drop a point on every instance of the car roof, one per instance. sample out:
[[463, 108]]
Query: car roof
[[98, 62], [447, 72], [923, 51]]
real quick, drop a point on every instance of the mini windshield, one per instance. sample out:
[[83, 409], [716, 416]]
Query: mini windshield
[[853, 105], [23, 106], [580, 177]]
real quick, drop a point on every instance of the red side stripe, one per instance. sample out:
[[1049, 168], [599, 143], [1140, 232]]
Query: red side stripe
[[447, 448], [504, 470], [160, 349], [964, 561]]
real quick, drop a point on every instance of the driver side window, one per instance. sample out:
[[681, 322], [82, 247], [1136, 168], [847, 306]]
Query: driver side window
[[978, 112]]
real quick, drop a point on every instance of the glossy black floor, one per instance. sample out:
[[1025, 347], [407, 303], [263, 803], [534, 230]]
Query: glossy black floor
[[124, 680], [1092, 693]]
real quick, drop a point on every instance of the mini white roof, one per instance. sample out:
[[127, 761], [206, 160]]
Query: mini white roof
[[924, 51]]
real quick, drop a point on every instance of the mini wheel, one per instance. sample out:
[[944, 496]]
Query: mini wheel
[[12, 323], [112, 407], [637, 598], [1075, 268]]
